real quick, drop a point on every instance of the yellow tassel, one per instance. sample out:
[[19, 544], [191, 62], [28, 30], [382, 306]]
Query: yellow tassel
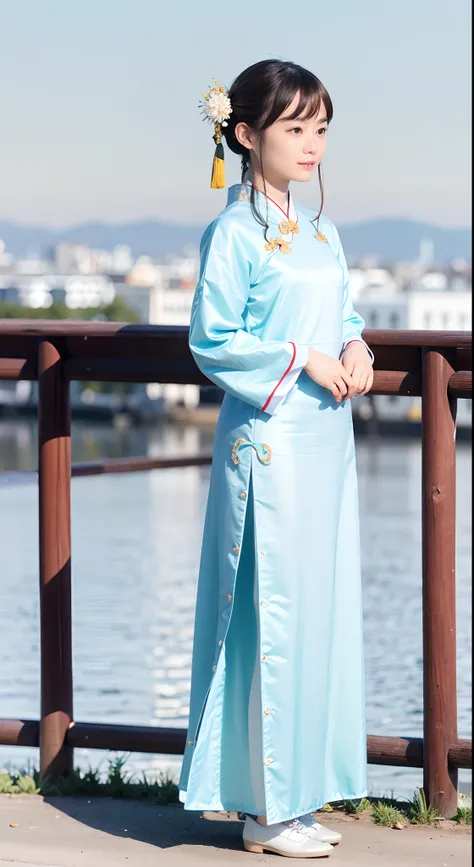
[[218, 174], [218, 171]]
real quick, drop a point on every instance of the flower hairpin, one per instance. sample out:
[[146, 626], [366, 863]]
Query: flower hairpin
[[216, 106], [217, 109]]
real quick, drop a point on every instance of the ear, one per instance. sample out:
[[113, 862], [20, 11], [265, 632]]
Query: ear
[[244, 135]]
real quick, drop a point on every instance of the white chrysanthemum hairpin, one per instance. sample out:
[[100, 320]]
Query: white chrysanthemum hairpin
[[216, 106], [217, 109]]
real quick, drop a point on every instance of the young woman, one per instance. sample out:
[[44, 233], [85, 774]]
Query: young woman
[[277, 713]]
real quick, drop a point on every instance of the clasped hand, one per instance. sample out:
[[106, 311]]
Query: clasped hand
[[352, 374]]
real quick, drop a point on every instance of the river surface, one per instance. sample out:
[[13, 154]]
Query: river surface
[[135, 551]]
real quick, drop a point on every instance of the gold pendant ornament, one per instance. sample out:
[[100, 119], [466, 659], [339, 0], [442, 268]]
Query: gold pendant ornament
[[278, 243], [286, 227]]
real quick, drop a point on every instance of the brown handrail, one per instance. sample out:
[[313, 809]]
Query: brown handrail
[[435, 365], [80, 328], [404, 752]]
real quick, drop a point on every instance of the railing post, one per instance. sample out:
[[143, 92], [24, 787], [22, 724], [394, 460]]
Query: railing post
[[439, 604], [54, 475]]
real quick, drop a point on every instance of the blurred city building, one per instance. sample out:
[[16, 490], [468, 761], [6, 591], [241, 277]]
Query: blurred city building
[[400, 295]]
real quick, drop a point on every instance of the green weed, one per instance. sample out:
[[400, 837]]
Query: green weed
[[17, 783], [386, 814], [464, 816], [117, 784], [420, 813]]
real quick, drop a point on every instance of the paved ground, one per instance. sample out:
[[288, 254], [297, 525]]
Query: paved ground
[[77, 832]]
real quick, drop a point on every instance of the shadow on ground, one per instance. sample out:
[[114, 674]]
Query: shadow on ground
[[166, 826]]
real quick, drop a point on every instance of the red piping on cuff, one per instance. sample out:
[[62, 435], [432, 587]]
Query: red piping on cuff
[[282, 378], [354, 340]]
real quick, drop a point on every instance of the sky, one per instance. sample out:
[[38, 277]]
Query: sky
[[99, 116]]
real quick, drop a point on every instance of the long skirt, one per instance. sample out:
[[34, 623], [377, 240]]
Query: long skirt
[[281, 530]]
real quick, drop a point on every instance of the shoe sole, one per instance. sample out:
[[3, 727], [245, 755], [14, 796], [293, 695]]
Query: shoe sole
[[258, 848]]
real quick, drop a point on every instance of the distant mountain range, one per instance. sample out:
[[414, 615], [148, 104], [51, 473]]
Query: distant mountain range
[[387, 239]]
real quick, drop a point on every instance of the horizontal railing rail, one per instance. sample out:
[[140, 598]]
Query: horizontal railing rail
[[403, 752], [436, 365]]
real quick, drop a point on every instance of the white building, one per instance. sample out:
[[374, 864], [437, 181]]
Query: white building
[[40, 290], [162, 295], [80, 259], [418, 309]]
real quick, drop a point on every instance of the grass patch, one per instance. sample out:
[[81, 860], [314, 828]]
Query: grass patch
[[17, 784], [397, 813], [356, 806], [387, 814], [464, 816], [117, 784], [420, 813]]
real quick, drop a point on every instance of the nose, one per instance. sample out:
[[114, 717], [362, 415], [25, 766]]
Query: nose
[[313, 145]]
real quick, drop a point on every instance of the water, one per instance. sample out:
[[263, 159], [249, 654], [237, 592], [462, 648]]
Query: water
[[135, 549]]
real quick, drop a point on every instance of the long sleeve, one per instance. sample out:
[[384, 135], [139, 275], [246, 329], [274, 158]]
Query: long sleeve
[[260, 372], [353, 323]]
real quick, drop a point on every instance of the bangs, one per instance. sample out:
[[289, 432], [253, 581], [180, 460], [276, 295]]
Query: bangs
[[311, 94], [308, 106]]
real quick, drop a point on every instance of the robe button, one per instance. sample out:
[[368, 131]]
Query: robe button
[[229, 596], [264, 658], [263, 602], [267, 710], [262, 553], [190, 743], [220, 642], [243, 495], [214, 667], [268, 761], [237, 548]]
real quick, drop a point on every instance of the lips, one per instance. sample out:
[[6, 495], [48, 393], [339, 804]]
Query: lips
[[308, 165]]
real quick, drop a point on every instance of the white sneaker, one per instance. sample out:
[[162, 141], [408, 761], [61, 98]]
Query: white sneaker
[[318, 832], [285, 838]]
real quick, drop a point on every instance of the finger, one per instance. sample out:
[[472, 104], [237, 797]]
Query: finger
[[353, 385], [348, 366], [360, 378], [341, 385], [353, 389], [346, 376], [368, 383], [338, 389]]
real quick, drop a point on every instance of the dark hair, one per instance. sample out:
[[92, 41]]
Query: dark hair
[[259, 95]]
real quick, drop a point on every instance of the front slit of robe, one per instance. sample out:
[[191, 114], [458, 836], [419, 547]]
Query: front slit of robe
[[246, 582], [249, 517], [255, 715]]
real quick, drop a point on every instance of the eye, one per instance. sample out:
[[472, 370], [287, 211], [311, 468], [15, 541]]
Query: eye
[[323, 130], [297, 128]]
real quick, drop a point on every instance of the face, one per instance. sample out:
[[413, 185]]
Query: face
[[292, 149]]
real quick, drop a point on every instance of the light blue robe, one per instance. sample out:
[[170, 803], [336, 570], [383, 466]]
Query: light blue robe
[[283, 441]]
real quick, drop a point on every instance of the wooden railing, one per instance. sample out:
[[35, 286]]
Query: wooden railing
[[435, 365]]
